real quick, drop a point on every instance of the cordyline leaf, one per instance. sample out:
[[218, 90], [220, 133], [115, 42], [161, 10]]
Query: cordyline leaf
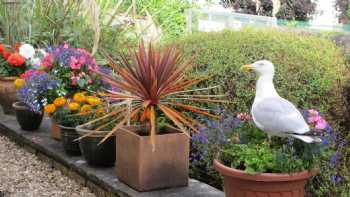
[[195, 110], [153, 128], [120, 124], [174, 119]]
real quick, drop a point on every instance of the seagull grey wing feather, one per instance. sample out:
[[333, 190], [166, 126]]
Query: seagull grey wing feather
[[276, 114]]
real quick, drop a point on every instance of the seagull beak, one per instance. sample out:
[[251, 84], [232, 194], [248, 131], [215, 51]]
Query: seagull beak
[[247, 67]]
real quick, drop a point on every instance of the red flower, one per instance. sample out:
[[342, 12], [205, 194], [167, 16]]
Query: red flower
[[6, 55], [2, 48], [16, 59]]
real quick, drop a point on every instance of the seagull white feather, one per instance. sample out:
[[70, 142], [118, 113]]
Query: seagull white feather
[[272, 113]]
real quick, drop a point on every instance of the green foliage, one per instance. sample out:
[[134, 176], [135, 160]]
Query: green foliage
[[169, 14], [68, 118], [310, 71]]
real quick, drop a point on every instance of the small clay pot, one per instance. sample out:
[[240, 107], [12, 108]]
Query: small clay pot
[[7, 94], [99, 155], [68, 139], [55, 130], [27, 119], [239, 183]]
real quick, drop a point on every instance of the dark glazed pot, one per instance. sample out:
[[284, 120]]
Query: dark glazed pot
[[27, 119], [238, 183], [68, 137], [99, 155]]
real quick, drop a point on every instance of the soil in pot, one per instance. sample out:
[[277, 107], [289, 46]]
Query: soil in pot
[[99, 155], [143, 169], [68, 139], [27, 119], [7, 94], [237, 183]]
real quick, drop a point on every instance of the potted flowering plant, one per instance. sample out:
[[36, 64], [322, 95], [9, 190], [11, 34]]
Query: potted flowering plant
[[69, 113], [71, 67], [33, 88], [12, 64], [253, 165], [152, 87]]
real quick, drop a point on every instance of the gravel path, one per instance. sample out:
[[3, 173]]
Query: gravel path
[[22, 174]]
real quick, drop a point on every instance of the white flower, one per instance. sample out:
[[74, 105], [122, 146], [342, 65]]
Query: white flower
[[27, 51]]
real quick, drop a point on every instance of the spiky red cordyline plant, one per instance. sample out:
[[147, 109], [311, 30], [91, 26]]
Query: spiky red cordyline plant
[[153, 80]]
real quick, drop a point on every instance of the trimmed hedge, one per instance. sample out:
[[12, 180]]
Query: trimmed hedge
[[311, 72]]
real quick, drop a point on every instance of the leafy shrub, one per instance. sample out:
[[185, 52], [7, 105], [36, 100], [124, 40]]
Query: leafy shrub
[[310, 72]]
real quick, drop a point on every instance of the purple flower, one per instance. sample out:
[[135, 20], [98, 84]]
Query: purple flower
[[335, 179], [34, 93], [334, 159]]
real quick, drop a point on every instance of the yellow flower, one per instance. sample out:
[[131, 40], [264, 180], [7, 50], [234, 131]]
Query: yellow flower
[[19, 83], [79, 97], [93, 101], [85, 108], [50, 108], [73, 106], [60, 101]]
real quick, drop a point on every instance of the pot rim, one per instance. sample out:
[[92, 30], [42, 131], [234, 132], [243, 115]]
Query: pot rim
[[263, 177], [83, 132], [130, 129], [12, 78], [19, 105]]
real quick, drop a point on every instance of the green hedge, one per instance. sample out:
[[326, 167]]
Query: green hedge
[[310, 71]]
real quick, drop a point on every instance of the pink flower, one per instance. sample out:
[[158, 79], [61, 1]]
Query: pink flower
[[74, 63], [313, 112], [30, 73], [66, 46], [47, 61], [321, 124], [313, 119], [74, 80], [244, 116]]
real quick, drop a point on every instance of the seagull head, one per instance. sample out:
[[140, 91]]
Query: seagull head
[[262, 67]]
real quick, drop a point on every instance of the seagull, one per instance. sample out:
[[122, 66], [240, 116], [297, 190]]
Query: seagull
[[273, 114]]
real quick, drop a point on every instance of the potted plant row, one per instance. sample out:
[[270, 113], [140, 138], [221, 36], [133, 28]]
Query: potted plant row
[[151, 127]]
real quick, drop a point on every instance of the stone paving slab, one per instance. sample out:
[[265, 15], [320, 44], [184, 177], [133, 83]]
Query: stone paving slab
[[102, 181]]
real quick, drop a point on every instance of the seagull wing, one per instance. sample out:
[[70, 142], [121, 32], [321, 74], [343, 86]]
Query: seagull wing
[[278, 115]]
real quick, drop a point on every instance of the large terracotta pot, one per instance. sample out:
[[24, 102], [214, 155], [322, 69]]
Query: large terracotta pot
[[27, 119], [143, 169], [7, 94], [55, 130], [237, 183]]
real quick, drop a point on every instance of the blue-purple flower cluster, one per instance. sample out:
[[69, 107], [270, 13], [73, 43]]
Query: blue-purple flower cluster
[[34, 92], [72, 57]]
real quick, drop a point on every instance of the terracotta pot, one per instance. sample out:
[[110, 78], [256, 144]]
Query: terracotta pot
[[55, 130], [27, 119], [68, 137], [7, 94], [100, 155], [142, 169], [237, 183]]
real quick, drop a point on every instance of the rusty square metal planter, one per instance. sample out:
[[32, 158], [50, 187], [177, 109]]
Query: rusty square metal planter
[[144, 170]]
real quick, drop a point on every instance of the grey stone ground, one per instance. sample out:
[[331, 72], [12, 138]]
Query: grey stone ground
[[22, 174]]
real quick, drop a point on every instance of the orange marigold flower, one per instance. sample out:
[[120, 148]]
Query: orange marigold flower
[[16, 59], [79, 97], [73, 106], [50, 108], [85, 108], [94, 101], [60, 101]]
